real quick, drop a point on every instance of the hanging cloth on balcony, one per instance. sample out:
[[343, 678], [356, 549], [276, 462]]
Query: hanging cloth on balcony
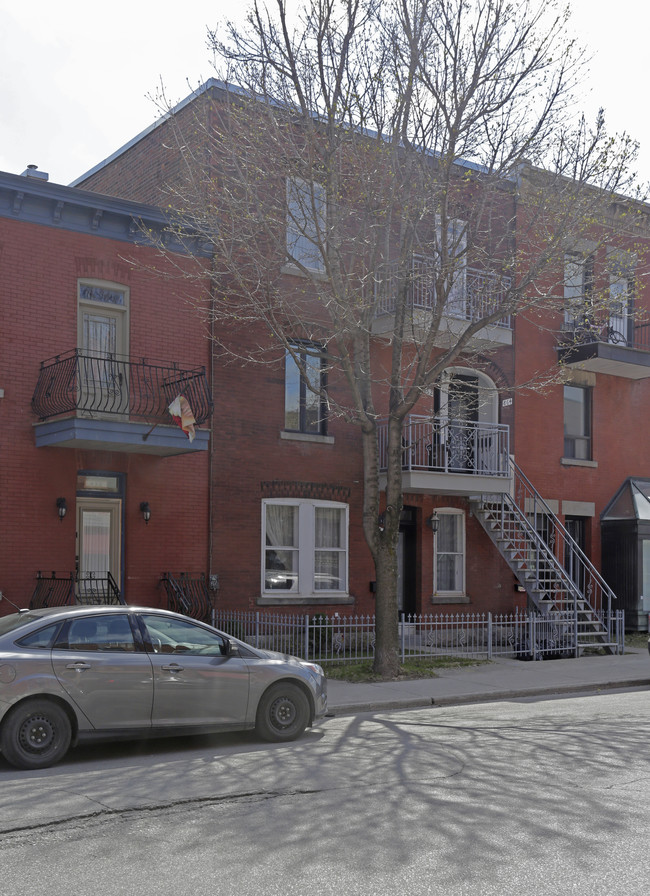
[[182, 413]]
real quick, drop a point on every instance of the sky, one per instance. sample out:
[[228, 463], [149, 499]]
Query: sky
[[78, 79]]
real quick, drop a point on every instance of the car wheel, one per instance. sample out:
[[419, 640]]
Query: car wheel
[[35, 734], [283, 713]]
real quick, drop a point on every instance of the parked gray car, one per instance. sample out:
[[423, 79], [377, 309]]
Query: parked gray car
[[71, 674]]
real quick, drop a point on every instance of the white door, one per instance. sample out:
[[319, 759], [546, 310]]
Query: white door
[[99, 542]]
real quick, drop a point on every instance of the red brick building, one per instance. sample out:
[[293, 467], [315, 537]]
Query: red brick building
[[272, 509], [98, 339]]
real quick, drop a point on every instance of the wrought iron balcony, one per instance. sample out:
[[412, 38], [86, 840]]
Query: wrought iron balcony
[[475, 295], [622, 349], [451, 456], [90, 389]]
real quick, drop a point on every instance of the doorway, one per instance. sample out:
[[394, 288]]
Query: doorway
[[406, 563], [99, 541]]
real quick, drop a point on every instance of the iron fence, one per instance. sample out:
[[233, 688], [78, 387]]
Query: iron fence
[[325, 639]]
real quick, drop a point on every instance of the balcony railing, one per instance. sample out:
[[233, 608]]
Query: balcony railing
[[475, 295], [450, 446], [105, 384], [74, 588], [628, 334]]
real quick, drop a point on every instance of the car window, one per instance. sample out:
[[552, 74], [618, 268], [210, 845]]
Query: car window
[[42, 638], [17, 620], [98, 633], [169, 635]]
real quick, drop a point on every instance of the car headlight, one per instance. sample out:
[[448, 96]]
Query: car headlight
[[316, 669]]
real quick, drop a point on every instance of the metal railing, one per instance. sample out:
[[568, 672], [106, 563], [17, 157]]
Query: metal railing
[[628, 334], [188, 593], [475, 294], [438, 444], [74, 588], [106, 384], [326, 639], [556, 553]]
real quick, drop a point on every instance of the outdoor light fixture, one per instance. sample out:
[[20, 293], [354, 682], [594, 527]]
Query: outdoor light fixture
[[146, 511], [432, 522], [62, 508]]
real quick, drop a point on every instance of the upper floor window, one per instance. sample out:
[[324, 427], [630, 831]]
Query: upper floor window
[[305, 405], [305, 547], [578, 288], [621, 295], [305, 223], [577, 422]]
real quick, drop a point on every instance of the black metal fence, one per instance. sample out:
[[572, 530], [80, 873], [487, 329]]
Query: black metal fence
[[57, 590]]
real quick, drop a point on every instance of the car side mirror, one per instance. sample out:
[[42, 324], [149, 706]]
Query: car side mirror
[[231, 648]]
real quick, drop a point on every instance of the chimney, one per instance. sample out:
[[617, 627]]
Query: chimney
[[32, 171]]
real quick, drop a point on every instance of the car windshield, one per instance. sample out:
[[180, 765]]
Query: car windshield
[[17, 620]]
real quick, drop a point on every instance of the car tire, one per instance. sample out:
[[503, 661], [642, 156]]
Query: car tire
[[283, 713], [35, 734]]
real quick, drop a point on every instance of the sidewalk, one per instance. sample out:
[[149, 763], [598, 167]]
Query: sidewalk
[[500, 679]]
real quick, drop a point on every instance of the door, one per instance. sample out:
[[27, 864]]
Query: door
[[406, 560], [462, 408], [195, 684], [619, 317], [576, 527], [103, 349], [99, 544], [104, 671]]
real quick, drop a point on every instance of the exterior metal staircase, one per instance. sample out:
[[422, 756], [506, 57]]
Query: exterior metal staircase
[[558, 578]]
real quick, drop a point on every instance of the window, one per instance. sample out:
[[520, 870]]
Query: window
[[449, 560], [98, 633], [578, 289], [305, 223], [305, 547], [577, 422], [305, 404], [621, 292]]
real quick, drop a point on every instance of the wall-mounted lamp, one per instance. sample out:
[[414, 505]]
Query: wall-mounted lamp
[[432, 521], [62, 508], [146, 511], [381, 521]]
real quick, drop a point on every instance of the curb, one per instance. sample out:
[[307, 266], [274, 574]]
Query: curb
[[344, 709]]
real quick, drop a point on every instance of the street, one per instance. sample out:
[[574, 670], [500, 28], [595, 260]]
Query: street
[[522, 797]]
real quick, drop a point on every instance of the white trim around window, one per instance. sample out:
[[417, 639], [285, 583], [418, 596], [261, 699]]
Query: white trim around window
[[304, 548], [449, 553]]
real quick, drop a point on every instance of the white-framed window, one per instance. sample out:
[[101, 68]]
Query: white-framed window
[[449, 553], [306, 223], [304, 547]]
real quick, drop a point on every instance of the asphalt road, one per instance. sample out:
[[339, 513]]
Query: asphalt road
[[527, 797]]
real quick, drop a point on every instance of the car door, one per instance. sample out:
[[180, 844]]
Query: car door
[[105, 670], [195, 683]]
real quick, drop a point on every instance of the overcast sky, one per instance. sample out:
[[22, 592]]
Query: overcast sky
[[76, 78]]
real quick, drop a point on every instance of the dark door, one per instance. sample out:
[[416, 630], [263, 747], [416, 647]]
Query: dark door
[[406, 563], [463, 417]]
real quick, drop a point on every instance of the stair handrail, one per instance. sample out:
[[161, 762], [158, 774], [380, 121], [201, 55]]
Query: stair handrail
[[520, 479]]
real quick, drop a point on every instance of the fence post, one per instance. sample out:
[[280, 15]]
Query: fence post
[[533, 634], [306, 647], [257, 628], [489, 637], [402, 638]]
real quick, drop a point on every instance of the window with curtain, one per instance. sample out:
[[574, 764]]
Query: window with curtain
[[305, 547], [449, 565]]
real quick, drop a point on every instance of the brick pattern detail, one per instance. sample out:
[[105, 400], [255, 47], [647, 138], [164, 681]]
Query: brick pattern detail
[[316, 491]]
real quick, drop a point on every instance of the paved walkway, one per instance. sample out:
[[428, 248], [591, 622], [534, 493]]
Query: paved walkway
[[500, 679]]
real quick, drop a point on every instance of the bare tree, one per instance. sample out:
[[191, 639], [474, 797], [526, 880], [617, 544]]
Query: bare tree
[[360, 154]]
